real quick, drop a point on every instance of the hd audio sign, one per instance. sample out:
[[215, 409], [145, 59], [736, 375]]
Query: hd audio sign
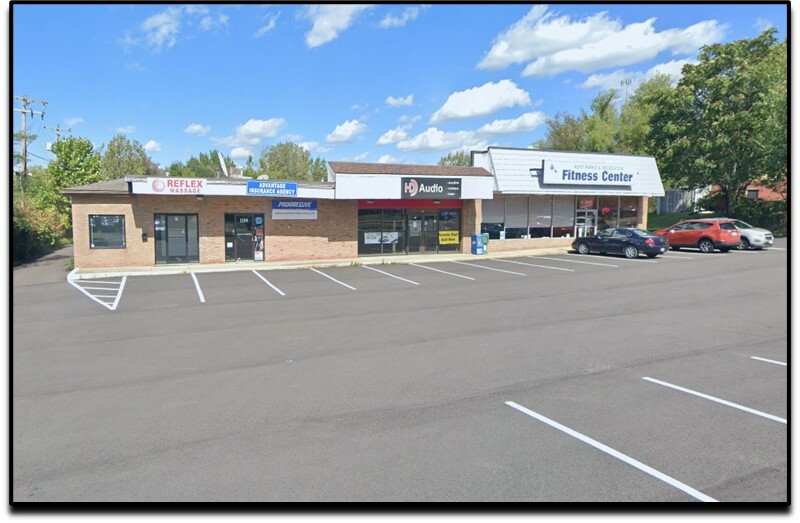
[[430, 188]]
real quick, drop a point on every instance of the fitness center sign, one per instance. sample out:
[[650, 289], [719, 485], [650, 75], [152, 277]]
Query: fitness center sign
[[430, 188]]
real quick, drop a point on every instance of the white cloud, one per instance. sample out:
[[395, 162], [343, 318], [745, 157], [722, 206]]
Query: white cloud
[[481, 101], [345, 132], [357, 107], [292, 137], [408, 119], [398, 102], [408, 14], [209, 22], [525, 123], [329, 21], [361, 157], [434, 139], [557, 44], [612, 80], [152, 146], [162, 29], [642, 42], [197, 129], [762, 24], [241, 153], [73, 121], [388, 158], [272, 20], [393, 136], [127, 129], [309, 146], [251, 133]]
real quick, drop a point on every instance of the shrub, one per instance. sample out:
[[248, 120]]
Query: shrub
[[35, 232]]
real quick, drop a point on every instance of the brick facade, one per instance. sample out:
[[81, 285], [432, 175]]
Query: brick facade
[[332, 235]]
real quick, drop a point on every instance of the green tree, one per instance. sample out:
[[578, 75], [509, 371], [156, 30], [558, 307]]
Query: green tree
[[289, 161], [637, 112], [204, 166], [20, 182], [76, 164], [564, 133], [250, 168], [458, 158], [601, 127], [714, 127], [123, 157]]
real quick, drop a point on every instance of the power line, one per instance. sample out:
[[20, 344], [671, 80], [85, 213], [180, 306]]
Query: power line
[[24, 110]]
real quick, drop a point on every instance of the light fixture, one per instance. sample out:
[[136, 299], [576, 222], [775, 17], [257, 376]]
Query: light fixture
[[370, 201], [199, 197], [437, 201], [537, 171]]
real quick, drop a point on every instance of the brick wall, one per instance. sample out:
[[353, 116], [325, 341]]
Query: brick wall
[[332, 235], [470, 223]]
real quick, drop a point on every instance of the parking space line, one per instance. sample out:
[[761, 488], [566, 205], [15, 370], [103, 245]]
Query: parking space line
[[443, 272], [120, 285], [619, 455], [534, 265], [488, 268], [268, 283], [197, 285], [637, 260], [391, 275], [676, 257], [332, 278], [571, 261], [717, 400], [768, 361]]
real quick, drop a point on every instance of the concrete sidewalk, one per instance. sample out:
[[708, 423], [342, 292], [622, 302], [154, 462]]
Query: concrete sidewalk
[[186, 268]]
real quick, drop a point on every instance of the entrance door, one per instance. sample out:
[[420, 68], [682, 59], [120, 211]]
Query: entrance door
[[176, 238], [242, 234], [585, 222], [423, 232]]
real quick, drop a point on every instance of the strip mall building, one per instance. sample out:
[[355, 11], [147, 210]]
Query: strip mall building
[[523, 198]]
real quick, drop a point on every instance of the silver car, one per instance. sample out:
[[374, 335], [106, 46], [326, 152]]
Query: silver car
[[753, 237]]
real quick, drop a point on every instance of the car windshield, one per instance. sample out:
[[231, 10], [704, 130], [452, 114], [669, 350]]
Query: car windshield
[[741, 225]]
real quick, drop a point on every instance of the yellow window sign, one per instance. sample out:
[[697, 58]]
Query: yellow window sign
[[448, 237]]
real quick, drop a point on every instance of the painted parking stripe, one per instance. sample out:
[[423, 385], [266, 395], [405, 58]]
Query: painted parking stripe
[[637, 260], [611, 452], [391, 275], [268, 283], [534, 265], [443, 272], [334, 279], [717, 400], [768, 361], [676, 257], [120, 286], [488, 268], [571, 261], [199, 291]]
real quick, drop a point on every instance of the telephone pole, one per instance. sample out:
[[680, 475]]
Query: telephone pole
[[25, 101], [58, 130]]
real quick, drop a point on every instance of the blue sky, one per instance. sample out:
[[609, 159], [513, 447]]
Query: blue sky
[[383, 83]]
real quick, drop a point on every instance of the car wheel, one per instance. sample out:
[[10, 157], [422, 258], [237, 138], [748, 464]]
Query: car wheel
[[631, 251], [745, 245], [706, 245], [583, 248], [675, 248]]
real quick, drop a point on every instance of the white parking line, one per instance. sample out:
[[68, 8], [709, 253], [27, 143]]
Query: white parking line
[[334, 279], [443, 272], [717, 400], [637, 260], [268, 283], [676, 257], [768, 361], [197, 285], [534, 265], [619, 455], [120, 285], [392, 275], [488, 268], [571, 261]]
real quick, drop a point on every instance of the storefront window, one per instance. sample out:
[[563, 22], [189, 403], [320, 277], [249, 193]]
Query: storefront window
[[369, 231], [393, 229], [106, 231], [516, 216], [607, 212], [493, 216], [563, 216], [449, 230], [628, 208], [541, 208]]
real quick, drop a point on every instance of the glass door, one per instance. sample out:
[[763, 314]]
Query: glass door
[[244, 237], [585, 222], [176, 238], [415, 233], [430, 233]]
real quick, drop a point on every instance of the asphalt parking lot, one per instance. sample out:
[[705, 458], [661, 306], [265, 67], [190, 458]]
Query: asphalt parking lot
[[549, 378]]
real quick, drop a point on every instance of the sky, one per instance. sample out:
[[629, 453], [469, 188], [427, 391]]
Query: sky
[[370, 83]]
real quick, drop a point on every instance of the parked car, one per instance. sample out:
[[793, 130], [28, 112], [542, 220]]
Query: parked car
[[752, 237], [705, 234], [623, 240]]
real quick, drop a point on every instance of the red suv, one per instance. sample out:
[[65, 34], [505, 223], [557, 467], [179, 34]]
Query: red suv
[[706, 235]]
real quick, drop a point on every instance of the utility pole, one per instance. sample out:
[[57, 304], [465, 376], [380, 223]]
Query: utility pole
[[25, 101], [58, 130], [626, 82]]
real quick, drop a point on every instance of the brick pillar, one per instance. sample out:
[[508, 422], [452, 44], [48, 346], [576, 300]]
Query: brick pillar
[[641, 213], [470, 223]]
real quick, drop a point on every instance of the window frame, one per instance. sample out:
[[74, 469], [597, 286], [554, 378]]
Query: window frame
[[91, 233]]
